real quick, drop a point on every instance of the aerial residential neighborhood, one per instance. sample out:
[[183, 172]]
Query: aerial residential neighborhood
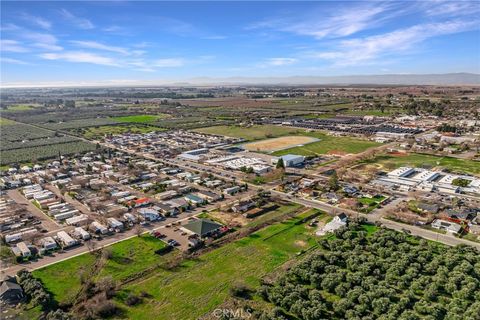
[[240, 160]]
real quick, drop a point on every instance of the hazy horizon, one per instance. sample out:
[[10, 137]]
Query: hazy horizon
[[101, 42]]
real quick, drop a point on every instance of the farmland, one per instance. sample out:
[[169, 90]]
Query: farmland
[[43, 152], [145, 118], [26, 143]]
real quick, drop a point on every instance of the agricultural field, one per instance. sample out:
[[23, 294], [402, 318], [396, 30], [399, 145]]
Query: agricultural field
[[43, 152], [382, 274], [388, 162], [198, 286], [127, 258], [281, 143], [26, 143], [143, 118], [79, 123]]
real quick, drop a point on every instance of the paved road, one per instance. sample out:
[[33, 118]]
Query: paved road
[[414, 230]]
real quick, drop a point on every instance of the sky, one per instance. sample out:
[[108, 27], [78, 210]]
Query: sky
[[54, 42]]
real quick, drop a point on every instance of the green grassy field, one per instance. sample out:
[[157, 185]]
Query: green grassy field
[[200, 285], [142, 118], [21, 107], [328, 144], [251, 133], [325, 145], [390, 162], [128, 257], [99, 132]]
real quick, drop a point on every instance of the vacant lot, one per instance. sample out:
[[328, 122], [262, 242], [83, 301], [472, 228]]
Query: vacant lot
[[198, 286], [389, 162], [281, 143], [127, 258], [250, 133]]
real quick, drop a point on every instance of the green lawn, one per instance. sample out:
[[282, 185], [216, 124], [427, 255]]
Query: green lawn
[[63, 279], [328, 144], [200, 285], [390, 162], [257, 132], [99, 132], [128, 257], [142, 118]]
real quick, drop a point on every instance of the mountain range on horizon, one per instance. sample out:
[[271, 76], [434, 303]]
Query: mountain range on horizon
[[380, 79]]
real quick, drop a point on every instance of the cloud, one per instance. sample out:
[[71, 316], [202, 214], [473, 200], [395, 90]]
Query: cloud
[[168, 62], [99, 46], [339, 22], [367, 49], [12, 46], [12, 61], [81, 23], [82, 57], [38, 21], [275, 62], [450, 8], [214, 37], [40, 40]]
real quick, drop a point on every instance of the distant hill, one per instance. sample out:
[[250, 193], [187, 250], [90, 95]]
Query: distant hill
[[383, 79]]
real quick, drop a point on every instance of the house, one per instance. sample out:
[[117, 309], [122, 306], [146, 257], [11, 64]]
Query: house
[[243, 206], [167, 208], [80, 233], [141, 202], [114, 224], [232, 190], [65, 239], [48, 243], [209, 196], [336, 223], [10, 292], [179, 203], [23, 250], [350, 190], [427, 207], [202, 228], [450, 227], [149, 214], [194, 200], [332, 197], [97, 227], [464, 214]]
